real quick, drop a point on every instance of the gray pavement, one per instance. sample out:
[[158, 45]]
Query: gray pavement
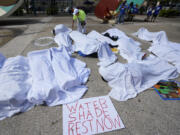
[[146, 114]]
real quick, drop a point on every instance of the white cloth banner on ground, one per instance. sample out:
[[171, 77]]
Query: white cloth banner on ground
[[84, 44], [90, 116], [15, 83], [127, 80], [161, 47], [95, 35]]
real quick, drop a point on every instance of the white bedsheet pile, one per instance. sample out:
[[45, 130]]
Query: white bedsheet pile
[[161, 46]]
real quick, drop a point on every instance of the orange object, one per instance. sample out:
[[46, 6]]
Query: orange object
[[105, 6], [157, 86], [179, 91]]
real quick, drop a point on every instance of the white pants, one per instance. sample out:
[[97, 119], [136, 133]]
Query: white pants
[[81, 28]]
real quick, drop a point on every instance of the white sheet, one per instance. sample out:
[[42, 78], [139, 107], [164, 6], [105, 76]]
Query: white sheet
[[84, 44], [48, 76], [61, 28], [105, 55], [129, 51], [2, 59], [127, 80], [120, 34], [15, 82], [156, 37], [95, 35], [62, 37], [61, 80], [161, 47]]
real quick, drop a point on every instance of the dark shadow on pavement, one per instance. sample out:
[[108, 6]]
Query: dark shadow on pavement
[[18, 22]]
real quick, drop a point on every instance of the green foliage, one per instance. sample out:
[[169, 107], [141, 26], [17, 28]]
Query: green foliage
[[169, 13], [52, 11]]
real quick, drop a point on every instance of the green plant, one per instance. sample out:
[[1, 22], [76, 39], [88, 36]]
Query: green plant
[[169, 13], [52, 11]]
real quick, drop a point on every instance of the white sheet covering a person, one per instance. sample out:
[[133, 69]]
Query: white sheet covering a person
[[127, 80], [161, 46], [48, 76]]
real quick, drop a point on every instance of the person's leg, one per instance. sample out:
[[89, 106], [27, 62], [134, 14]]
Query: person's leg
[[152, 18], [79, 27], [119, 18], [83, 29], [122, 18], [148, 18]]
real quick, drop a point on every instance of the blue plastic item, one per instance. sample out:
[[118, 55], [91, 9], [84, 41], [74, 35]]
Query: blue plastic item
[[81, 54]]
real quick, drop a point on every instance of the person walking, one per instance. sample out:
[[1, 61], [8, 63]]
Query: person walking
[[80, 16]]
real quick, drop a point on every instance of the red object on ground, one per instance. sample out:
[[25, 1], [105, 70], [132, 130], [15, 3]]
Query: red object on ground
[[104, 6]]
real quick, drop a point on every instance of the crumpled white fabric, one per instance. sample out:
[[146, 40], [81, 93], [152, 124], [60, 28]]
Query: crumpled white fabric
[[161, 46], [15, 83], [61, 28], [62, 37], [167, 53], [120, 34], [105, 55], [48, 76], [129, 51], [2, 59], [128, 48], [127, 80], [156, 37], [60, 80], [84, 44], [95, 35]]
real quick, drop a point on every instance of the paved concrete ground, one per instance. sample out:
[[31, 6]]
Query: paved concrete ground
[[146, 114]]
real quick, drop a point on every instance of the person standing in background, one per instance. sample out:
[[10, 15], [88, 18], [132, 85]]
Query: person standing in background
[[149, 13], [130, 11], [122, 10], [156, 11], [80, 16]]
